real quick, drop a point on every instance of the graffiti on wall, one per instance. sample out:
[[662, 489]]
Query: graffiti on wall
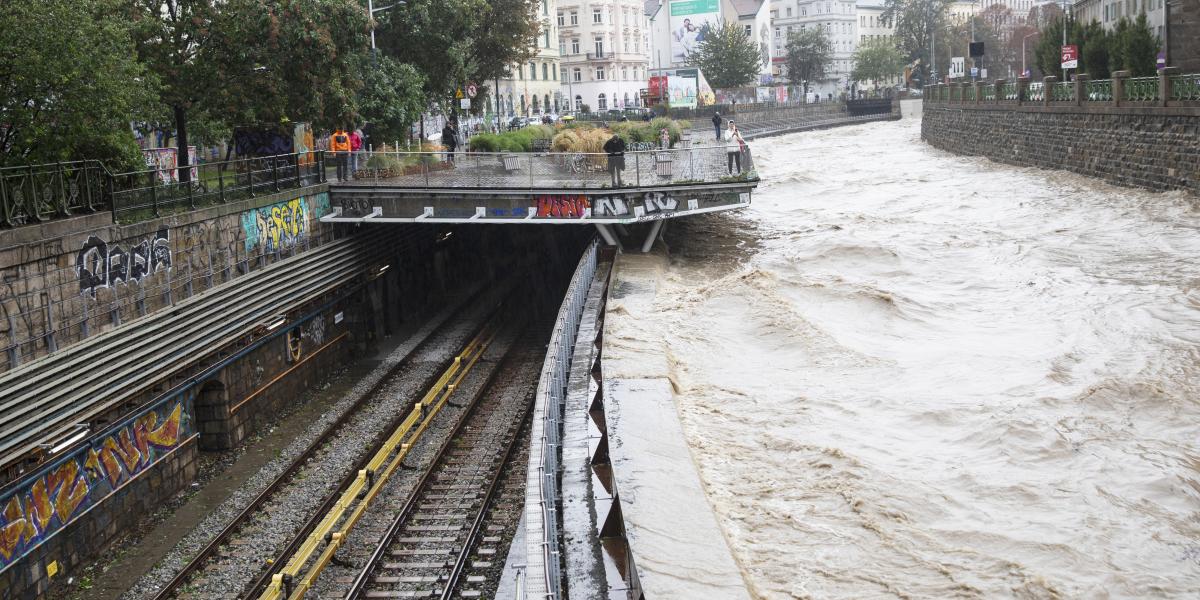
[[562, 206], [165, 161], [100, 265], [282, 225], [51, 500], [620, 206]]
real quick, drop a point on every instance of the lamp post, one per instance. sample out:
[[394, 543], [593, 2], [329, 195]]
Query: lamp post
[[371, 10], [1023, 68]]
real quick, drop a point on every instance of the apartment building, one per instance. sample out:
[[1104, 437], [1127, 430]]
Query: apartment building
[[604, 49], [839, 19], [534, 87], [1109, 12]]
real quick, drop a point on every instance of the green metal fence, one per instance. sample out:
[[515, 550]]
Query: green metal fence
[[1141, 89], [1185, 87], [1099, 91]]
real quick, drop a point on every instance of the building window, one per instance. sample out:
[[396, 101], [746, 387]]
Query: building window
[[776, 33], [546, 102], [601, 102], [789, 11], [547, 36], [599, 47], [561, 20], [597, 16], [578, 75], [749, 31], [562, 47], [554, 72], [599, 73], [545, 8], [624, 74], [545, 71], [575, 46], [532, 71], [804, 11], [574, 18], [578, 99]]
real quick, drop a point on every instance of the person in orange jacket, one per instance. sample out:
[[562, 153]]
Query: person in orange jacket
[[339, 144]]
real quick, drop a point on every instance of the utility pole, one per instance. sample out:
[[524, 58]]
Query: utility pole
[[1064, 41]]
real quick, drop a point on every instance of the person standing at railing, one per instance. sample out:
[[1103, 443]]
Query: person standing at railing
[[734, 145], [356, 143], [339, 144], [615, 147], [716, 121], [449, 140]]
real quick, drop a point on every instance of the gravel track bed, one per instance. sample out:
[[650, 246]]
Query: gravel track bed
[[291, 507], [506, 396]]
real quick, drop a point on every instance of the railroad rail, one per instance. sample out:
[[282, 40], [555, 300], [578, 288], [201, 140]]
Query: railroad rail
[[297, 465], [308, 558], [436, 546], [45, 400]]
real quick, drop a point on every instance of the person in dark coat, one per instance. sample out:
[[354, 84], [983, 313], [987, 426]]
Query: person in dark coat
[[615, 147], [449, 140], [716, 120]]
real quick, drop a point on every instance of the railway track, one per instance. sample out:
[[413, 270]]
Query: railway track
[[237, 543], [449, 539]]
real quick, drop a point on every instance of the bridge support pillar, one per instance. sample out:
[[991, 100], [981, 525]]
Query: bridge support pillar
[[654, 229], [609, 238]]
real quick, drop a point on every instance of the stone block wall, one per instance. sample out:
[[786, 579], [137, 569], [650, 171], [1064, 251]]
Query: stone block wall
[[1153, 148], [1183, 39], [64, 281]]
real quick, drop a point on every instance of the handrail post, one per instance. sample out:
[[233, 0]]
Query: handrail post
[[1164, 84], [275, 174], [154, 191], [1022, 90], [221, 184], [1081, 81], [998, 95], [1048, 89], [1118, 87]]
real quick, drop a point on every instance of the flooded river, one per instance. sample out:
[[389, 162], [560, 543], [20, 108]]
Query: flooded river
[[907, 374]]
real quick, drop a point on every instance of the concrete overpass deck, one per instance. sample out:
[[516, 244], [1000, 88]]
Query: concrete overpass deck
[[544, 188]]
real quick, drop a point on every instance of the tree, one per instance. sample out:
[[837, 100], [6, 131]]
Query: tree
[[69, 83], [917, 21], [1094, 56], [1138, 47], [727, 56], [877, 59], [1048, 52], [391, 99], [251, 61], [809, 54]]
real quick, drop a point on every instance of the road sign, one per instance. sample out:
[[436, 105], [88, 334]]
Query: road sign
[[458, 94], [1070, 57], [1161, 61], [464, 103], [958, 67], [472, 90], [975, 49], [974, 72]]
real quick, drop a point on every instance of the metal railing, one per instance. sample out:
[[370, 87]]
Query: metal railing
[[553, 170], [552, 395], [1185, 87], [1168, 88], [1100, 90], [1062, 91], [1141, 89], [36, 193], [142, 195]]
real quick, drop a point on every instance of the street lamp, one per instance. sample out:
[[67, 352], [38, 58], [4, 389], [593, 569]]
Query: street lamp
[[1023, 68], [371, 10]]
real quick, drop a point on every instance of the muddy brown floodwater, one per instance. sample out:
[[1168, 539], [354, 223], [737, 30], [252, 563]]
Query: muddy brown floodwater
[[907, 374]]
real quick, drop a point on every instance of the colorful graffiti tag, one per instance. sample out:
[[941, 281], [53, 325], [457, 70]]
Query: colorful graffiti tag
[[41, 507], [562, 206], [282, 225], [100, 265]]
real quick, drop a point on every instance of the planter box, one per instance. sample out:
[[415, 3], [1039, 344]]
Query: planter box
[[685, 141]]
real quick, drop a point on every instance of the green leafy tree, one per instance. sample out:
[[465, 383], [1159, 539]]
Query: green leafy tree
[[877, 59], [1138, 47], [391, 100], [808, 55], [1049, 49], [727, 56], [69, 83], [1095, 53], [251, 61], [917, 22]]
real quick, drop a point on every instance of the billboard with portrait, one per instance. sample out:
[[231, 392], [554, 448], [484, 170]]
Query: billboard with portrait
[[691, 22]]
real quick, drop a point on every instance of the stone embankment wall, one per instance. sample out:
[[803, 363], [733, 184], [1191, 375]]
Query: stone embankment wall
[[64, 281], [1156, 148]]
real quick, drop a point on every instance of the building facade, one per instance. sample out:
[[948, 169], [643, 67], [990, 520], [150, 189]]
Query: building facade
[[604, 47], [871, 27], [839, 19], [534, 87]]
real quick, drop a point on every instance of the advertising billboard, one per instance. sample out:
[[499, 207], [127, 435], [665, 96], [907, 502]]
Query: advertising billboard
[[691, 21]]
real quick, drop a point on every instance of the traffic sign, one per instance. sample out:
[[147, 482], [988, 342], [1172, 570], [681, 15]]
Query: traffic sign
[[1070, 57], [464, 104], [974, 72], [458, 94], [1161, 61], [472, 90], [958, 67]]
